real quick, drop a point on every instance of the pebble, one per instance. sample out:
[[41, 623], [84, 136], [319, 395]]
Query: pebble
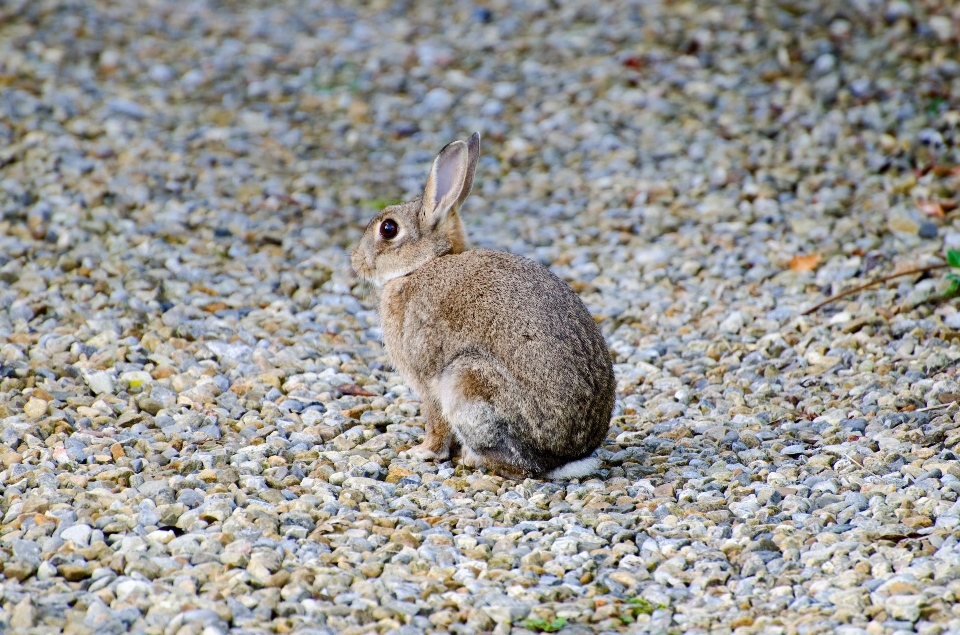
[[200, 431], [78, 534]]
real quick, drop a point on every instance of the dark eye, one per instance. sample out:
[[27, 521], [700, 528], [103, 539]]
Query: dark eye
[[389, 229]]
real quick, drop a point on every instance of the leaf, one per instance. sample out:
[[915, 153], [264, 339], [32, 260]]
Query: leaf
[[954, 287], [953, 258], [804, 263], [931, 208], [643, 606], [380, 203], [354, 390], [543, 626]]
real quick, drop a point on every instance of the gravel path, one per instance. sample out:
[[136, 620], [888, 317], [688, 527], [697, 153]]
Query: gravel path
[[200, 432]]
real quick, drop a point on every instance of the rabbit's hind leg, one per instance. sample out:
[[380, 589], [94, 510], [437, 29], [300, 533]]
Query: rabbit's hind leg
[[469, 391]]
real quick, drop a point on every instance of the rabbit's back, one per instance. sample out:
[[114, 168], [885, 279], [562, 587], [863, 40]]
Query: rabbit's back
[[514, 309]]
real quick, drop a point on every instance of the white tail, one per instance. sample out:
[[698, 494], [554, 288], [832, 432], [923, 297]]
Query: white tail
[[575, 469]]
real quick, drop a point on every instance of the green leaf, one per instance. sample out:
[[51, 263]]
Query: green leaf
[[380, 203], [954, 286], [933, 109], [953, 258], [543, 626], [643, 606]]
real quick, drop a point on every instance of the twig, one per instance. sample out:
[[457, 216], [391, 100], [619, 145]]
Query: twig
[[844, 294], [936, 407]]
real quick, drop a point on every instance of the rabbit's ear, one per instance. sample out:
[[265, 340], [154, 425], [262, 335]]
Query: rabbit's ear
[[450, 180]]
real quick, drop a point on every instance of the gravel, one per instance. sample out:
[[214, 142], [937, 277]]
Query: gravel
[[200, 431]]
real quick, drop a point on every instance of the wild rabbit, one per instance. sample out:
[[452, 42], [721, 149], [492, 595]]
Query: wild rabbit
[[508, 362]]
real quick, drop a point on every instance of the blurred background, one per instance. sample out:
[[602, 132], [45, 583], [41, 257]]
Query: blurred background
[[651, 114]]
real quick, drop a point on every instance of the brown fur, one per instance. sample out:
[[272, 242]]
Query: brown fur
[[506, 358]]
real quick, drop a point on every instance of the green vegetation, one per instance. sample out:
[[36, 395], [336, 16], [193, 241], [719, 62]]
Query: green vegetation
[[543, 626], [953, 260], [638, 606], [379, 203], [933, 108]]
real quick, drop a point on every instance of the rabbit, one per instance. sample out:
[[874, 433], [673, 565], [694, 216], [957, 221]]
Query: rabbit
[[510, 366]]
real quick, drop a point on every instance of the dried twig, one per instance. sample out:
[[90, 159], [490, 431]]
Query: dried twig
[[844, 294], [936, 407]]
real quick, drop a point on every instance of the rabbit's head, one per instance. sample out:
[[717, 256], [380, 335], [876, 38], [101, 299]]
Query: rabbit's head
[[404, 237]]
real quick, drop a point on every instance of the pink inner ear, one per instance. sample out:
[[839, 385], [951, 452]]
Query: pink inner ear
[[448, 177]]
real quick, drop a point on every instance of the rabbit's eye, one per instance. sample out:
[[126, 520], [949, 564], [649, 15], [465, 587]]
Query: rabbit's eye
[[389, 229]]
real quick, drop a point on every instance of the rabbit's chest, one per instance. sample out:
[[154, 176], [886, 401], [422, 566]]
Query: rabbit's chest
[[409, 328]]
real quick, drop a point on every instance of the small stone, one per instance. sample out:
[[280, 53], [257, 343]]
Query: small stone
[[437, 101], [665, 490], [23, 615], [894, 532], [74, 572], [507, 613], [625, 578], [46, 571], [903, 224], [479, 619], [405, 538], [942, 27], [10, 458], [26, 551], [371, 569], [78, 534], [918, 522], [234, 559], [904, 607], [149, 405], [100, 382], [129, 588], [278, 579], [928, 230], [19, 570], [117, 452], [732, 323], [35, 408], [395, 473]]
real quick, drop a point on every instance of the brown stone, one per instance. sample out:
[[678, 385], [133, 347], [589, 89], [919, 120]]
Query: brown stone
[[18, 570], [74, 572], [162, 372], [116, 451], [405, 538], [356, 411], [278, 579], [395, 473], [667, 489], [10, 458], [680, 432], [371, 569], [918, 522]]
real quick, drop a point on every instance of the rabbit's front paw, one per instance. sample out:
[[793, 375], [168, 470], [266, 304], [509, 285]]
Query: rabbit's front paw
[[424, 452]]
